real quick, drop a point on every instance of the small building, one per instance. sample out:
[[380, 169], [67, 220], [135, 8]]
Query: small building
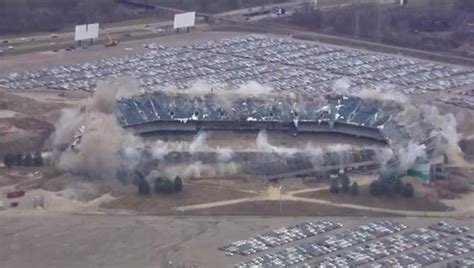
[[420, 170]]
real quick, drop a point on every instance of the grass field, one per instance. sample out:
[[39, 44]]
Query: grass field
[[156, 203], [288, 208], [416, 203]]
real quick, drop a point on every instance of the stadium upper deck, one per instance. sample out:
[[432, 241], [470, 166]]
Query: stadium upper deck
[[349, 115]]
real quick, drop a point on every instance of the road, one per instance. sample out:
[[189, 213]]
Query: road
[[55, 41]]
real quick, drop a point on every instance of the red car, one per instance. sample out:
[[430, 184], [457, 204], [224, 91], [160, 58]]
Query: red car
[[15, 194]]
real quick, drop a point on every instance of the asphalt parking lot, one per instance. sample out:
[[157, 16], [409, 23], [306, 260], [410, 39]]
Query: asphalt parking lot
[[282, 63], [382, 243], [43, 239]]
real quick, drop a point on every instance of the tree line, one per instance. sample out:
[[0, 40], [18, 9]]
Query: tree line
[[383, 186], [19, 159], [160, 186], [342, 183], [391, 186]]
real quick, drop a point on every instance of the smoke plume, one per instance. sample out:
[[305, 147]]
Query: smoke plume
[[104, 145]]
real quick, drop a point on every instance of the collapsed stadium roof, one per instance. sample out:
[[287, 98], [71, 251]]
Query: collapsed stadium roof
[[339, 114], [348, 115]]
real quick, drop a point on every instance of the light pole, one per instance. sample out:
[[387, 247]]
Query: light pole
[[280, 189]]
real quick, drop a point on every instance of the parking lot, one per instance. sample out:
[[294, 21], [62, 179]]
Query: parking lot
[[43, 239], [382, 243], [282, 63]]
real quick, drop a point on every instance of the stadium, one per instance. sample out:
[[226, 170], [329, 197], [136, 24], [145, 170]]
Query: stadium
[[259, 87]]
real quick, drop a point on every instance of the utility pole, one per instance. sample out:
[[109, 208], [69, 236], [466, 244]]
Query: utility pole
[[357, 19]]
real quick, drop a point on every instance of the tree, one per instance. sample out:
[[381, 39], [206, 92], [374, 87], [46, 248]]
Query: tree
[[18, 160], [28, 160], [386, 187], [408, 190], [38, 159], [178, 184], [334, 187], [354, 188], [9, 160], [397, 186], [121, 176], [374, 188], [168, 186], [345, 183], [158, 185], [143, 187]]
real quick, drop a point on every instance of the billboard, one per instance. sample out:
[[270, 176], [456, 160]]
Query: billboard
[[184, 20], [86, 31]]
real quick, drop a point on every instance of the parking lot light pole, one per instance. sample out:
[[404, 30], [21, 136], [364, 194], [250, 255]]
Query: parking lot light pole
[[280, 188]]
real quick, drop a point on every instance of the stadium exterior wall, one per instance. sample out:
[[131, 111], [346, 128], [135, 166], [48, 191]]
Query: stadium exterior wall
[[253, 126]]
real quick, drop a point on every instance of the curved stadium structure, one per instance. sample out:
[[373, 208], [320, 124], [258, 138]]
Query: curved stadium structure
[[347, 115]]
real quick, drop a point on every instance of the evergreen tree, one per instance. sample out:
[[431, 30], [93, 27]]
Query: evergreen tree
[[178, 184], [345, 183], [28, 160], [9, 160], [397, 186], [38, 159], [334, 187], [158, 185], [18, 159], [408, 190], [354, 188], [374, 188], [168, 186], [143, 187]]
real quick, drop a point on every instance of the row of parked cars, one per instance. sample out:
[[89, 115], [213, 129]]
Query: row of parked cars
[[460, 102], [468, 262], [328, 244], [280, 236], [284, 64], [389, 246], [401, 72]]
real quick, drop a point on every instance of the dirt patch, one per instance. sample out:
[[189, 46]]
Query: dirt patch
[[26, 105], [467, 146], [162, 203], [7, 114], [29, 136], [288, 208], [416, 203], [235, 182], [31, 126]]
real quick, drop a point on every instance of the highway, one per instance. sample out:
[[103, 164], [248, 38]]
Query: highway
[[54, 41]]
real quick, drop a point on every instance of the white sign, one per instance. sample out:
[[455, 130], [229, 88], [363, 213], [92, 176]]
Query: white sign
[[184, 20], [86, 31]]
